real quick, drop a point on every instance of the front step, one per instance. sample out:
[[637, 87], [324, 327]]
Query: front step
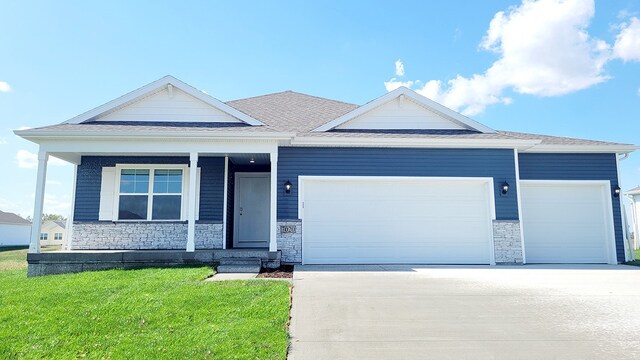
[[239, 265]]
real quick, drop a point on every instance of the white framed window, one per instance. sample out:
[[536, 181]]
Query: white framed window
[[44, 236], [151, 192], [57, 236]]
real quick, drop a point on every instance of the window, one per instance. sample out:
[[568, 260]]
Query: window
[[44, 236], [57, 236], [150, 193]]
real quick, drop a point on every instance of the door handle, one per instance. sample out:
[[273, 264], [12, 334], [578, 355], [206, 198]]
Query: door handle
[[240, 210]]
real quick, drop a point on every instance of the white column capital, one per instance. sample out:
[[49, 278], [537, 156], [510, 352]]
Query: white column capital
[[193, 156]]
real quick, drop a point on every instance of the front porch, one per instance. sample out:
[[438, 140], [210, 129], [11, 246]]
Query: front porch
[[61, 262], [195, 207]]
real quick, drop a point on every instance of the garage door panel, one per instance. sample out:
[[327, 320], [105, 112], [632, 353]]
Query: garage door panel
[[395, 221], [565, 222]]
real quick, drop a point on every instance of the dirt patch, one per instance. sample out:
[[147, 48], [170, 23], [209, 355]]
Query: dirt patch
[[283, 272]]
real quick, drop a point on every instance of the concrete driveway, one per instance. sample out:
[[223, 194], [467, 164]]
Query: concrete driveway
[[448, 312]]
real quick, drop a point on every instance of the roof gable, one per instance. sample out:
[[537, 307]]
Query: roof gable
[[403, 109], [166, 100]]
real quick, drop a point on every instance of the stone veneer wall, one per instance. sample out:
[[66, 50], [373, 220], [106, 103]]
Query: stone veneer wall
[[507, 242], [290, 243], [143, 236]]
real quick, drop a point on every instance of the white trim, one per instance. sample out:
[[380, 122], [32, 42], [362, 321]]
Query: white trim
[[165, 146], [607, 198], [621, 149], [519, 199], [154, 87], [419, 99], [69, 236], [191, 193], [236, 198], [413, 142], [152, 167], [273, 224], [41, 179], [486, 180], [623, 217], [225, 195]]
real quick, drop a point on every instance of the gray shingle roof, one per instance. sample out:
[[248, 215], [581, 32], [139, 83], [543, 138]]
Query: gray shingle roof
[[11, 218], [292, 112]]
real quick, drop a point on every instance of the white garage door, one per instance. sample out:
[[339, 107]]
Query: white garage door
[[567, 222], [373, 220]]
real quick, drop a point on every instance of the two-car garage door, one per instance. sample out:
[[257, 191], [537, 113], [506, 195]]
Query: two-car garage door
[[374, 220]]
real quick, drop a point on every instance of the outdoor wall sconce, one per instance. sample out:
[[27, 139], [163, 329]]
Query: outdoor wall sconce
[[505, 188], [616, 191], [287, 187]]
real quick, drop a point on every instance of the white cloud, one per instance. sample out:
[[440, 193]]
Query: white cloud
[[53, 182], [4, 86], [399, 68], [28, 160], [394, 84], [627, 45], [544, 50]]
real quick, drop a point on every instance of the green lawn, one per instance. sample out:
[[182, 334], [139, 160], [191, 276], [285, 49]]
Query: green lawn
[[636, 262], [139, 314]]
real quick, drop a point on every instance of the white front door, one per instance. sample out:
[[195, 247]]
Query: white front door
[[252, 205], [376, 220]]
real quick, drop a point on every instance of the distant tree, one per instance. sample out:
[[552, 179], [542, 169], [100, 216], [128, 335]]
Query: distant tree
[[52, 217]]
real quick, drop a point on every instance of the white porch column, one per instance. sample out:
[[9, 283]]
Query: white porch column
[[224, 202], [273, 244], [191, 220], [34, 245], [69, 233]]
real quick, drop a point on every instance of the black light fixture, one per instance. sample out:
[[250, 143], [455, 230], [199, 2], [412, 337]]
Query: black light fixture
[[505, 188], [616, 191], [287, 187]]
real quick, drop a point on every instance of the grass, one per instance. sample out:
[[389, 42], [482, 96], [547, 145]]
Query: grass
[[635, 262], [139, 314]]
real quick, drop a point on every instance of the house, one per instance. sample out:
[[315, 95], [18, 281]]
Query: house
[[294, 178], [52, 232], [14, 230], [634, 195]]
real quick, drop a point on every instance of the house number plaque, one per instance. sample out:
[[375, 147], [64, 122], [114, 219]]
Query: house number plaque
[[287, 229]]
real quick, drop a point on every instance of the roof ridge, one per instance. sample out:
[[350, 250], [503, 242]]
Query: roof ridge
[[293, 92]]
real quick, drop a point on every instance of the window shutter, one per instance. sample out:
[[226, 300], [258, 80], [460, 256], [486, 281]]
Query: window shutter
[[107, 193]]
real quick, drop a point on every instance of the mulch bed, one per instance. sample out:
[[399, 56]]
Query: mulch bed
[[283, 272]]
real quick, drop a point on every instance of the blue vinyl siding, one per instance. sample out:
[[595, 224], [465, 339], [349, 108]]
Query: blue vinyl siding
[[576, 167], [89, 179], [297, 161]]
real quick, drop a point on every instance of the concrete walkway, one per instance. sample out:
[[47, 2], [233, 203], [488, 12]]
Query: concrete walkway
[[465, 312]]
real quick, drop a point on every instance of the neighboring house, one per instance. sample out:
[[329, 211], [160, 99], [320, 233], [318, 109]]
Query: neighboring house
[[401, 179], [634, 195], [14, 230], [52, 232]]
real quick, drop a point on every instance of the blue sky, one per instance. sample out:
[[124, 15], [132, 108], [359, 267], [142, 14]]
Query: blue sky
[[569, 68]]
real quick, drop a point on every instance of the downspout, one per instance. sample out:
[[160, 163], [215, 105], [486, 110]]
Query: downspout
[[628, 248], [634, 216]]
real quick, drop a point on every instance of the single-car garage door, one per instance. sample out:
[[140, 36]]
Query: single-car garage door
[[374, 220], [567, 222]]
